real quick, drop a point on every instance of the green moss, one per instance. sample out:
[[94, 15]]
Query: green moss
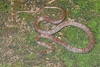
[[4, 7], [77, 37], [30, 37], [97, 6]]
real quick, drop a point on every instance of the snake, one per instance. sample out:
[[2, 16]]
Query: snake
[[61, 23]]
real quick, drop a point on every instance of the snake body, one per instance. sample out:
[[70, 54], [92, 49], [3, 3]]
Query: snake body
[[61, 24], [48, 34]]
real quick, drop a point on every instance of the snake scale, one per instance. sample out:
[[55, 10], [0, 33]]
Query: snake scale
[[61, 24]]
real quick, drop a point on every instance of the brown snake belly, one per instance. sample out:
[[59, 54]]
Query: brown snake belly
[[48, 34]]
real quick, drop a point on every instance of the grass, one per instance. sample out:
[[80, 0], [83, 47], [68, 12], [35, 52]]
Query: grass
[[4, 6], [85, 12]]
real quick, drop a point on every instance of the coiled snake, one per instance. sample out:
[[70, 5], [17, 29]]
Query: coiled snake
[[48, 34]]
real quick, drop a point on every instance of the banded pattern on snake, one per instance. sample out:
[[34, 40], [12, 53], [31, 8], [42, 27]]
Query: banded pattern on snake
[[48, 34]]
